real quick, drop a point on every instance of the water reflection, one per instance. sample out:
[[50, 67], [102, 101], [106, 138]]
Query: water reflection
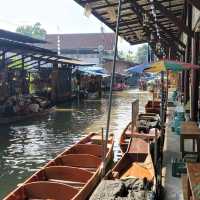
[[27, 146]]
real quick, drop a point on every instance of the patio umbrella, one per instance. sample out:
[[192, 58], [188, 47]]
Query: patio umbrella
[[169, 65], [138, 68], [165, 66], [187, 65]]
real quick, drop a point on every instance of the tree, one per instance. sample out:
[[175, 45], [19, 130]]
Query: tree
[[35, 30], [130, 56], [141, 55]]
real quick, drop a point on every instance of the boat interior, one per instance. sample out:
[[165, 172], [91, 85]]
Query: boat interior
[[137, 132], [126, 162], [68, 173]]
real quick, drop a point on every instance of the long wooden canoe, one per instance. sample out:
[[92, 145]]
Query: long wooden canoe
[[136, 162], [135, 166], [130, 132], [132, 175], [25, 117], [72, 175]]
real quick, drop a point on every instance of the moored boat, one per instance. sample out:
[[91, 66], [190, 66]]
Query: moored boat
[[72, 175], [146, 125], [133, 176], [136, 162]]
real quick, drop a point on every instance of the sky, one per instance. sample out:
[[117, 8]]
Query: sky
[[56, 16]]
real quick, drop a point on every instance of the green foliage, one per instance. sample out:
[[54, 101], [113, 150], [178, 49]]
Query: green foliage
[[130, 56], [126, 56], [32, 30], [141, 55], [16, 63], [121, 54]]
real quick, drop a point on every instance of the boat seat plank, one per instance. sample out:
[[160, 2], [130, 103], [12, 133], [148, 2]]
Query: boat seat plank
[[92, 170], [81, 160], [49, 190], [74, 184], [67, 173], [92, 149]]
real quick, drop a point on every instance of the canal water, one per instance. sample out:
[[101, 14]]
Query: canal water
[[25, 147]]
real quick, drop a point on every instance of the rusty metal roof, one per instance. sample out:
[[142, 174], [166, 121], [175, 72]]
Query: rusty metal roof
[[81, 41]]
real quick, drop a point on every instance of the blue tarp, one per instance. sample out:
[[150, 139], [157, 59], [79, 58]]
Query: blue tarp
[[95, 70], [138, 68]]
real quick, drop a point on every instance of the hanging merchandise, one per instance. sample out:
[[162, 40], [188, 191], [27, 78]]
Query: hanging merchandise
[[88, 10]]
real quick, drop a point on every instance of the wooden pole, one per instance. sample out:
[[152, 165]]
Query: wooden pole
[[132, 125], [23, 86], [103, 149], [135, 111], [167, 87], [162, 111], [187, 56], [112, 79], [182, 83], [155, 149], [194, 82]]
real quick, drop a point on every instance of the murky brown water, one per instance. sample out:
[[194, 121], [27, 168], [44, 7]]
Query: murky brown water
[[27, 146]]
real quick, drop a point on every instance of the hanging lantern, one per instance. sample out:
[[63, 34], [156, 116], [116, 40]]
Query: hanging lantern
[[88, 10], [152, 38], [158, 46], [145, 20]]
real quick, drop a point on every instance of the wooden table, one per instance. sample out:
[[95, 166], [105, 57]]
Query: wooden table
[[189, 123], [192, 132], [193, 181]]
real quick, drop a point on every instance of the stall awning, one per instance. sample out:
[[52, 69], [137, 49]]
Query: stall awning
[[32, 55]]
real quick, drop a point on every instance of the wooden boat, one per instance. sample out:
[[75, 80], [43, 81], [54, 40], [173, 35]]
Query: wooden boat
[[72, 175], [132, 174], [25, 117], [136, 132], [152, 107], [136, 162], [148, 116]]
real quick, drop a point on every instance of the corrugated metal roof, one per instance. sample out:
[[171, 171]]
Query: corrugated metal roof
[[138, 23], [19, 37]]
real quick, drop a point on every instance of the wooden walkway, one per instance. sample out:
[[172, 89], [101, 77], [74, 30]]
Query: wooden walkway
[[172, 185]]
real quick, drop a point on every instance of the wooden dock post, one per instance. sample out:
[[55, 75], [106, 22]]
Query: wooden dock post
[[103, 151], [135, 111]]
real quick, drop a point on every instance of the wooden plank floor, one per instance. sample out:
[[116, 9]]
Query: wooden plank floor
[[138, 145]]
